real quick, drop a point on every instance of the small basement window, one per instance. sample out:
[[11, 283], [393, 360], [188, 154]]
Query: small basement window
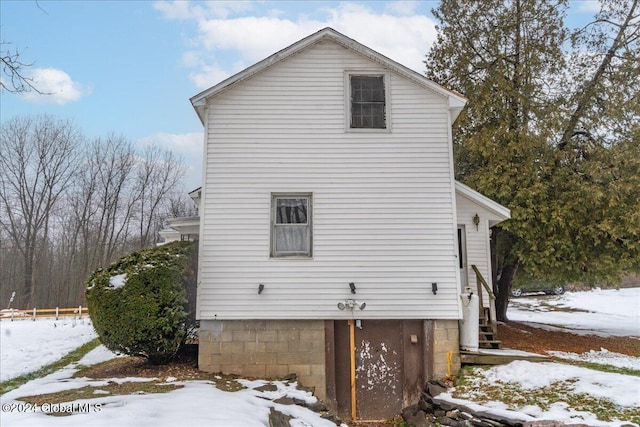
[[291, 225], [368, 102]]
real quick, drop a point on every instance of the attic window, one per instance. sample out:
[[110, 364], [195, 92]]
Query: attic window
[[368, 102]]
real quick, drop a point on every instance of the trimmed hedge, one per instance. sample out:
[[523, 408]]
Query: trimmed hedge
[[138, 305]]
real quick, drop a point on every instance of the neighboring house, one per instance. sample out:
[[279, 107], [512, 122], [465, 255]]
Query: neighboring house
[[183, 228], [334, 240]]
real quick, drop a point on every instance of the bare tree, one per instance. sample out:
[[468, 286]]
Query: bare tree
[[68, 208], [158, 174], [98, 212], [14, 77], [37, 159], [103, 203], [181, 205]]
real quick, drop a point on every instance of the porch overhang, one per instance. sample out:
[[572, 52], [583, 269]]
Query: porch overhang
[[180, 227], [498, 212]]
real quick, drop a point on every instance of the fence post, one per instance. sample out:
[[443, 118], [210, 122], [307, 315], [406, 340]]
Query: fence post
[[34, 314], [56, 313], [12, 311]]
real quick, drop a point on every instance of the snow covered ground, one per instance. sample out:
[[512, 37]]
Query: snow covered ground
[[529, 377], [26, 346], [597, 312], [607, 312], [198, 403]]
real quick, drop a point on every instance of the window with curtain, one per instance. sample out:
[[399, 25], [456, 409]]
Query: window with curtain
[[291, 225]]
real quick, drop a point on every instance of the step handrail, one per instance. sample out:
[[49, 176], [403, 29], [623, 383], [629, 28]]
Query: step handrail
[[480, 283]]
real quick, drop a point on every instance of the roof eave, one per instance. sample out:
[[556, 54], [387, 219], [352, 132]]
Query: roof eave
[[501, 213], [456, 101], [196, 192], [199, 101]]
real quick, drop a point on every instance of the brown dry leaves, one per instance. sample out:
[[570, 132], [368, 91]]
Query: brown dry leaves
[[519, 336]]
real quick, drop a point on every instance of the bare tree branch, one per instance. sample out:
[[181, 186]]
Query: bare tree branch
[[588, 91], [14, 77]]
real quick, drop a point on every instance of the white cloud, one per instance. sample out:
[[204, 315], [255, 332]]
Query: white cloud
[[405, 39], [56, 87], [191, 59], [402, 7], [187, 144], [209, 75], [254, 38], [398, 33], [223, 9], [182, 9], [178, 10]]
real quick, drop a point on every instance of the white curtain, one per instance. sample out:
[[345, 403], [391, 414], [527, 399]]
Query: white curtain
[[292, 226]]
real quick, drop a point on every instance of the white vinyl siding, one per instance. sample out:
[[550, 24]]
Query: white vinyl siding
[[383, 211], [477, 240]]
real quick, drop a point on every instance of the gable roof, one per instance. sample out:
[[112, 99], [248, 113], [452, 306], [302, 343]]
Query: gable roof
[[456, 101], [500, 212]]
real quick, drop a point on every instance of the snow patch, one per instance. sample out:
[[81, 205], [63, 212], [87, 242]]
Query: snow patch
[[608, 312], [27, 346], [118, 281], [603, 385], [602, 357]]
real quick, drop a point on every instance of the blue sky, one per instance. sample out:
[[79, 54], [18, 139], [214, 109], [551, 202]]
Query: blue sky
[[130, 67]]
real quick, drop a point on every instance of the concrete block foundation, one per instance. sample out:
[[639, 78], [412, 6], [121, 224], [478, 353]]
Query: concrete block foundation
[[276, 348], [265, 349], [446, 344]]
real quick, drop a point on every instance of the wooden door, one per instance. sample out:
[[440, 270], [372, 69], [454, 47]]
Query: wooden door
[[387, 367], [379, 369]]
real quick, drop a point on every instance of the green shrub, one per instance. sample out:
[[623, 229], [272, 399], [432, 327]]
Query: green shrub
[[138, 304]]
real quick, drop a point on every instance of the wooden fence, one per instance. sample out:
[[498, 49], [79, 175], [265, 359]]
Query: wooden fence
[[13, 314]]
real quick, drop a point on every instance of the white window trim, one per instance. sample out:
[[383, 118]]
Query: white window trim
[[285, 195], [347, 99]]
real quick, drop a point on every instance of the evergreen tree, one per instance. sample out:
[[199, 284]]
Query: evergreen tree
[[547, 133]]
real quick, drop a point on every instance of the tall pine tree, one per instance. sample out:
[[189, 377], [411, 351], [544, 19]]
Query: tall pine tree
[[534, 134]]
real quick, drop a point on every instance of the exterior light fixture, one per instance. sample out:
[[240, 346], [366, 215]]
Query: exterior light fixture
[[434, 288], [476, 221], [260, 288], [351, 304], [352, 286]]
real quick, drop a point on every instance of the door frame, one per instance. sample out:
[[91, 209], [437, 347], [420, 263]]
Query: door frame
[[461, 245]]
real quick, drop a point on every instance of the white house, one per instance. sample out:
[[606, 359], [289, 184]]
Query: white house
[[334, 240], [183, 228]]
